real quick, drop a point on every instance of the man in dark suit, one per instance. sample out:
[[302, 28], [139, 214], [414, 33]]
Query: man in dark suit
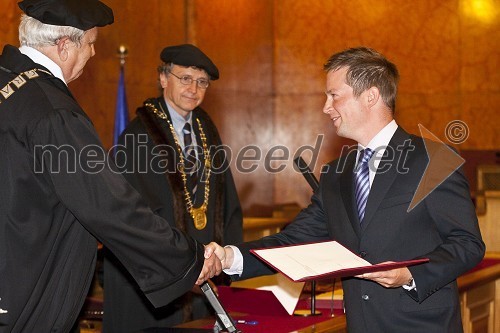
[[366, 208]]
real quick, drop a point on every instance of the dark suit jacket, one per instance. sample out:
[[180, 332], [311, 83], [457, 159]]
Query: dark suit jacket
[[443, 228]]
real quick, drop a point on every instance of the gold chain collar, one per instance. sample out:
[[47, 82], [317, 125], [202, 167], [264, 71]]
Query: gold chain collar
[[198, 214]]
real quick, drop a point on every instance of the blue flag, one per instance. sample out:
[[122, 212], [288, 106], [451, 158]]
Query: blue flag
[[121, 113]]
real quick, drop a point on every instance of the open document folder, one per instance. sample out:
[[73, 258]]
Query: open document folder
[[323, 260]]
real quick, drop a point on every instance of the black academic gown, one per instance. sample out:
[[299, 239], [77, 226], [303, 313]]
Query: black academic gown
[[157, 178], [55, 204]]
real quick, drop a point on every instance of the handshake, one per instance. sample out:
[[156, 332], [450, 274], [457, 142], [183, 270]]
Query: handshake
[[217, 258]]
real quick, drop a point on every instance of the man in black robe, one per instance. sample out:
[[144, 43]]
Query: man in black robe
[[60, 192], [197, 196]]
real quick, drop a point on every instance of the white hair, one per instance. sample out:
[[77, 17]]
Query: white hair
[[35, 34]]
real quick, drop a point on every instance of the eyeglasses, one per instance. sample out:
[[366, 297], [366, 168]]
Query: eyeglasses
[[188, 80]]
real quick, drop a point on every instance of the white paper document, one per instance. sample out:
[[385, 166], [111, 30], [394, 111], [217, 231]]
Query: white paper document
[[287, 292], [321, 261]]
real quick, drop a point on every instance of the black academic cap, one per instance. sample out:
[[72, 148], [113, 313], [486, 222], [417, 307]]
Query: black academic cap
[[81, 14], [189, 55]]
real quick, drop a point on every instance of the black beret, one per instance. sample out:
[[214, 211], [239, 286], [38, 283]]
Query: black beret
[[189, 55], [81, 14]]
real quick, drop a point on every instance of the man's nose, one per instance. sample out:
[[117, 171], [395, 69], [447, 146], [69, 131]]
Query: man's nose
[[193, 86], [327, 107]]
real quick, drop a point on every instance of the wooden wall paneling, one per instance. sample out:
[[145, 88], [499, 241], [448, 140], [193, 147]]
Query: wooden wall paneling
[[479, 77], [145, 28], [301, 47], [271, 53], [9, 16], [237, 35]]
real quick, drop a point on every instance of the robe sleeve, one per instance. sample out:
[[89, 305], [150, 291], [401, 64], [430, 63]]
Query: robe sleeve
[[164, 261]]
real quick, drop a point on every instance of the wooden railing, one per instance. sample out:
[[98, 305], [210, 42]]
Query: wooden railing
[[257, 227]]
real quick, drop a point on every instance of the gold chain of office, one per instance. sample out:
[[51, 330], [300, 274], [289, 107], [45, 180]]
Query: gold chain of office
[[16, 83], [198, 214]]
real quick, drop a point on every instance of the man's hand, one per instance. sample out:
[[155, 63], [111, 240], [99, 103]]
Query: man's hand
[[393, 278], [225, 254], [211, 267]]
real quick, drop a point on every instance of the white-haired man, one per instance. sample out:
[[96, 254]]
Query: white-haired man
[[57, 197]]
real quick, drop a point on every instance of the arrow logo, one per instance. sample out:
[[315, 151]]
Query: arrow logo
[[443, 161]]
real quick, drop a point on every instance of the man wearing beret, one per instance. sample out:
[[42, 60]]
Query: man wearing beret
[[194, 189], [53, 205]]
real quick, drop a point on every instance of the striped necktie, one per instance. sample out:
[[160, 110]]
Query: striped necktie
[[362, 181]]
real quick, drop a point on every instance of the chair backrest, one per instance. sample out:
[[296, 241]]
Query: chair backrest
[[488, 179]]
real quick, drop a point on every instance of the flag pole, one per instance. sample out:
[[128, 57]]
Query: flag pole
[[122, 54], [121, 113]]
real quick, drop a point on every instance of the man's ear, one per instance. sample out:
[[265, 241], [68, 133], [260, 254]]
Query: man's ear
[[163, 80], [372, 96], [62, 48]]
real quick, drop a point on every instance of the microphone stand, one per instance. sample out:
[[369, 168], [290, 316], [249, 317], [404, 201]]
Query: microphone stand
[[313, 182]]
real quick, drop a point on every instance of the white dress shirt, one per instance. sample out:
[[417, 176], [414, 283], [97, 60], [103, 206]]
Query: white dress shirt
[[378, 144], [43, 60], [178, 122]]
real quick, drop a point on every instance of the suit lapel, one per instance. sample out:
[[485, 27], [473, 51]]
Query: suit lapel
[[384, 180], [347, 191]]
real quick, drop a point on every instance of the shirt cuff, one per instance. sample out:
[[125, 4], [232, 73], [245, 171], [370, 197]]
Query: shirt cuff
[[237, 266], [409, 288]]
